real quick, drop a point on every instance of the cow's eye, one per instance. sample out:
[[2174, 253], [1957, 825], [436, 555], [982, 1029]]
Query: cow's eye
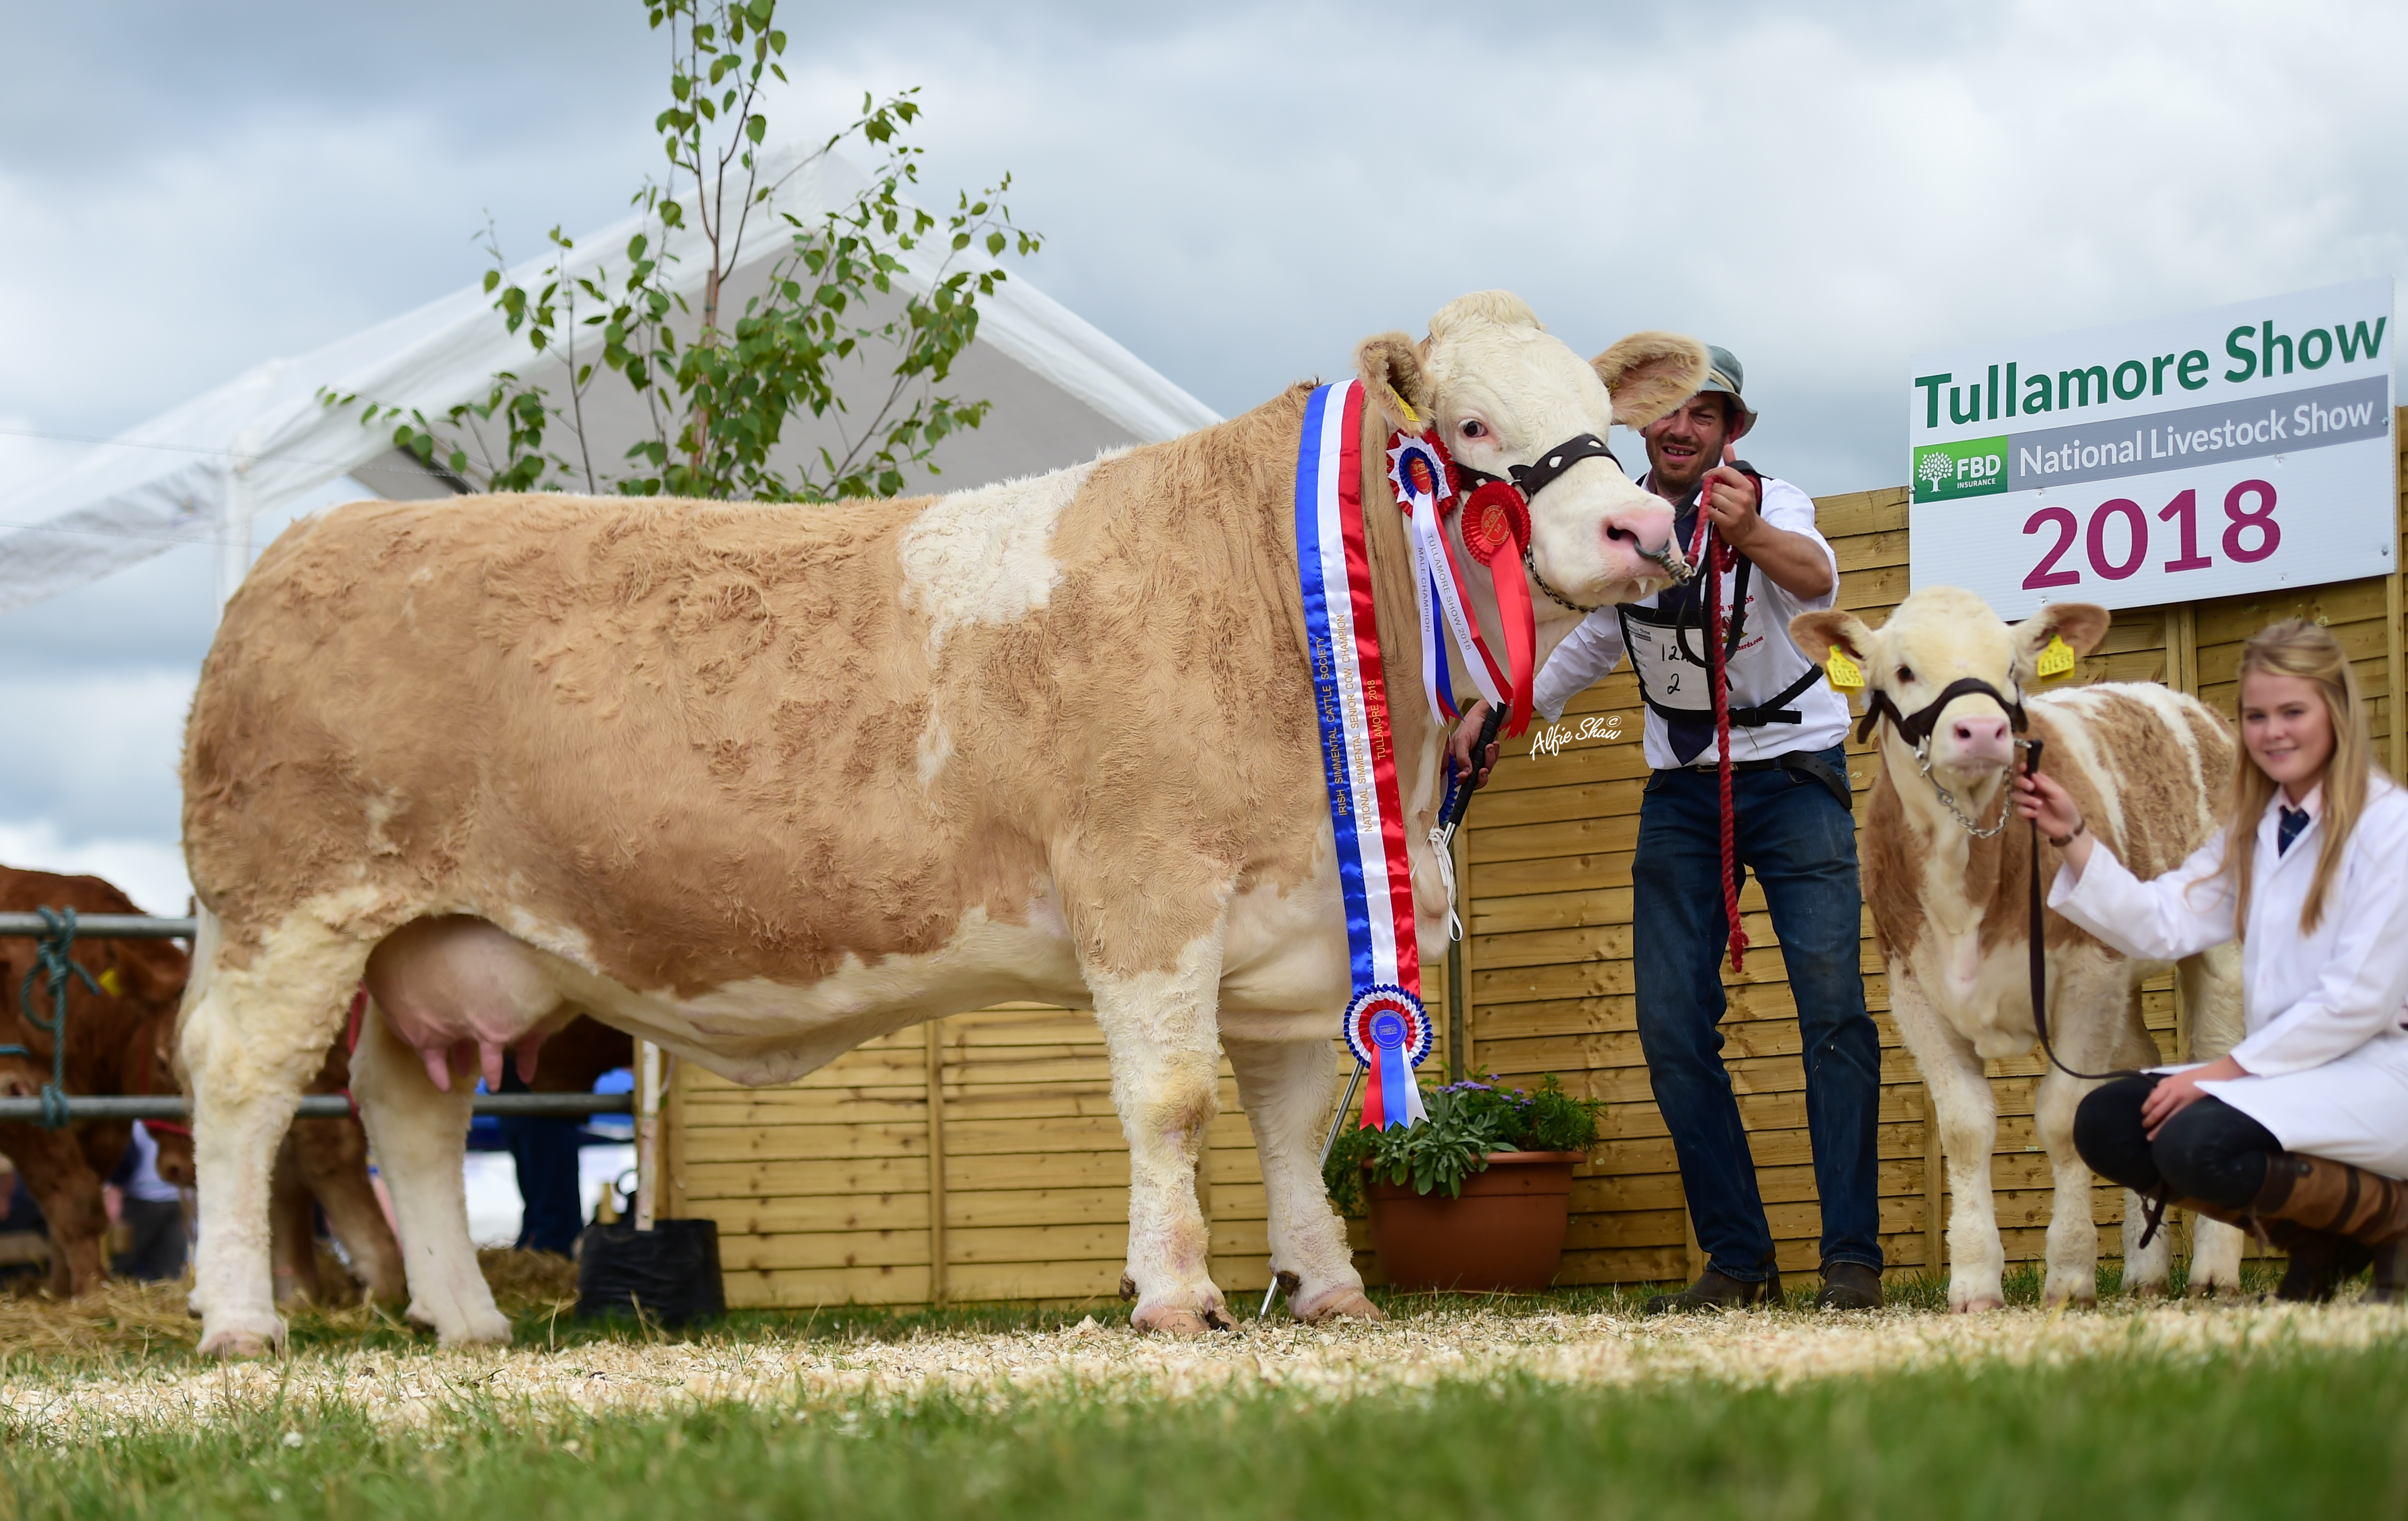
[[1904, 674], [1474, 429]]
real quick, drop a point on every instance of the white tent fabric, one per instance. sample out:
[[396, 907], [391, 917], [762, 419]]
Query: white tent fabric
[[200, 473]]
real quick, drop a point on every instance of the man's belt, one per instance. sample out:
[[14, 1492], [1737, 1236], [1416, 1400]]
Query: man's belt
[[1804, 762]]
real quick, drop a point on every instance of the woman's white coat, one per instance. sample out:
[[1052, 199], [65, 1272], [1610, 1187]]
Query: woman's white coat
[[2326, 1012]]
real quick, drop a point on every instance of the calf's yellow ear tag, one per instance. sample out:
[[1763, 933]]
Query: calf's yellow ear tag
[[111, 984], [1842, 673], [2056, 660]]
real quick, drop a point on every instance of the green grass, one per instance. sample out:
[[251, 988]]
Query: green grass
[[2271, 1433]]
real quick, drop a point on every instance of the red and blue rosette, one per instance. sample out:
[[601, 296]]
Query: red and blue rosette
[[1389, 1033], [1417, 468]]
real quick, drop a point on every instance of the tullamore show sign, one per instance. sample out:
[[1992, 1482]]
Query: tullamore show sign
[[2207, 455]]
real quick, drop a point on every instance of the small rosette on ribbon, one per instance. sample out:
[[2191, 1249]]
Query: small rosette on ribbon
[[1389, 1032], [1417, 469]]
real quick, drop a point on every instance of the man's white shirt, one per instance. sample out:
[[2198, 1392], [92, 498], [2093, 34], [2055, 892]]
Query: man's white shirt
[[1765, 665]]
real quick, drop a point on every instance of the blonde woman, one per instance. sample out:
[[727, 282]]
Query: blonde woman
[[2304, 1126]]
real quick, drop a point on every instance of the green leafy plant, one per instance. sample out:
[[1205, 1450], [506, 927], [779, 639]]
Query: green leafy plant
[[1467, 1121], [718, 400]]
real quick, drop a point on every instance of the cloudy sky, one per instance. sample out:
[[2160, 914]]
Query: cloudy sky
[[1236, 192]]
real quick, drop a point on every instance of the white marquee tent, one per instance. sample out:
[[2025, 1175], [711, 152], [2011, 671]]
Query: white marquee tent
[[202, 472]]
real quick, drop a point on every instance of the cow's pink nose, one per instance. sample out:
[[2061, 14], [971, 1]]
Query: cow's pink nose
[[1987, 735]]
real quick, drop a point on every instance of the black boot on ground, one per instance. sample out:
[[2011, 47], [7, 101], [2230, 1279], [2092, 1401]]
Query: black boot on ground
[[2319, 1262], [1849, 1285], [1714, 1291]]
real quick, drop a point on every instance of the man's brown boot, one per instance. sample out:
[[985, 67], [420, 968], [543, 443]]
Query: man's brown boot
[[1713, 1291]]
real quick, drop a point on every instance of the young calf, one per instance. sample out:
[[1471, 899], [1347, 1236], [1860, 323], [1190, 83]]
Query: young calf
[[1949, 885]]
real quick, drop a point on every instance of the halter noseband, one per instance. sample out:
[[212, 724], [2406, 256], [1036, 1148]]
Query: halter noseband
[[1916, 727], [1530, 480]]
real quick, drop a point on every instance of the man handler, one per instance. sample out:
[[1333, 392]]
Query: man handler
[[1795, 831]]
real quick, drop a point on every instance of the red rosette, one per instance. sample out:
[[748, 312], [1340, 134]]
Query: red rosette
[[1496, 519]]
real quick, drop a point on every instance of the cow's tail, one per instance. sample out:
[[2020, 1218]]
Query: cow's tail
[[208, 936]]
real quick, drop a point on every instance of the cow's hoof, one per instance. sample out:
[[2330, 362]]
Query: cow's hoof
[[1169, 1321], [1979, 1304], [243, 1336], [2152, 1291], [1336, 1304], [484, 1328]]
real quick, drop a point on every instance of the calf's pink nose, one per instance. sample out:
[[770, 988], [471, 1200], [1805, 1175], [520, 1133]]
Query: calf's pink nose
[[1984, 734]]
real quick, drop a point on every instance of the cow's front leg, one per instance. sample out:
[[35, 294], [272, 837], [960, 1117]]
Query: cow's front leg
[[1286, 1086], [2211, 988], [420, 1135], [1968, 1116], [1160, 1028]]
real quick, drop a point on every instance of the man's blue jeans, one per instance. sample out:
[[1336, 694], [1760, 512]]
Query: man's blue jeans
[[1801, 845]]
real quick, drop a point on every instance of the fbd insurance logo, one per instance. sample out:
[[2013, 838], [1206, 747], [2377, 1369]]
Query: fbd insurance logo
[[1967, 467]]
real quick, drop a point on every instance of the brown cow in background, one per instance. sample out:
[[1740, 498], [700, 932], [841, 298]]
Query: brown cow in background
[[114, 1038]]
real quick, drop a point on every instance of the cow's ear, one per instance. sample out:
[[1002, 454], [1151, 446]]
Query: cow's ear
[[1816, 634], [1391, 367], [1648, 374], [2081, 625]]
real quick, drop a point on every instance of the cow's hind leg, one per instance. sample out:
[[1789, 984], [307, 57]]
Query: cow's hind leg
[[1286, 1089], [252, 1036], [420, 1134], [1161, 1029]]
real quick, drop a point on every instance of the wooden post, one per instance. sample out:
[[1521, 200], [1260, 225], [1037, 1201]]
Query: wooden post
[[1689, 1234], [1935, 1189], [672, 1142], [936, 1250], [2182, 674], [1456, 954], [1463, 1033], [2394, 638], [648, 1133]]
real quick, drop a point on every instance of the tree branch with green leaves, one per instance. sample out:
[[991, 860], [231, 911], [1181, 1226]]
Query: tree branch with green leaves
[[718, 395]]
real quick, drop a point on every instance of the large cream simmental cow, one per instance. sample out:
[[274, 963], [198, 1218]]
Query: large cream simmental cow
[[760, 782], [1952, 906]]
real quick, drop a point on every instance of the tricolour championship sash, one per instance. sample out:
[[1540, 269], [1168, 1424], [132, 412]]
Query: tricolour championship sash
[[1385, 1025]]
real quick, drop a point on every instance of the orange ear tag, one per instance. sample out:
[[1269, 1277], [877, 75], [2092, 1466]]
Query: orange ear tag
[[1842, 673], [2056, 660]]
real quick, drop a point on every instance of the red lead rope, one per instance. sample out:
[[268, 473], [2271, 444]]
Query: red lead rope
[[1723, 560]]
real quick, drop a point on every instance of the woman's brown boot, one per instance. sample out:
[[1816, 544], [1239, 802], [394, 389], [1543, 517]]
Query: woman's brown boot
[[2336, 1198]]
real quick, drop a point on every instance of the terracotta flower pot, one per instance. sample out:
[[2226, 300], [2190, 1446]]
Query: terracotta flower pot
[[1505, 1232]]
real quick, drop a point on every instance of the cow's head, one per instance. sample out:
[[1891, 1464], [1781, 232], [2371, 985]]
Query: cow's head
[[1503, 393], [1937, 638]]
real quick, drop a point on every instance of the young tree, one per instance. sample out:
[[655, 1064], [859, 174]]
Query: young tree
[[719, 399]]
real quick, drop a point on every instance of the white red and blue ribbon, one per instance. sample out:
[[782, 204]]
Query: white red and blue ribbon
[[1358, 756], [1418, 469]]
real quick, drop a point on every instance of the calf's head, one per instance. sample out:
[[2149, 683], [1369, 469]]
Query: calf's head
[[1503, 394], [1945, 637]]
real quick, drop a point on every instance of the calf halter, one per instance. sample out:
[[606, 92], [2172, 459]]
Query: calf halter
[[1916, 729]]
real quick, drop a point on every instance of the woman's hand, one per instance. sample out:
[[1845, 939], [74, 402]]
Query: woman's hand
[[2177, 1091], [2042, 800]]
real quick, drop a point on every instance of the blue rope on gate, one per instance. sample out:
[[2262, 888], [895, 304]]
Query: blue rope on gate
[[53, 957]]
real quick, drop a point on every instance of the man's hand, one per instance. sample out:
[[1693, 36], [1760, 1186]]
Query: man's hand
[[1730, 501], [1467, 734], [2177, 1091]]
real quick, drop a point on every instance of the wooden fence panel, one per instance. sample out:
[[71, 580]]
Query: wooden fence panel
[[984, 1160]]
